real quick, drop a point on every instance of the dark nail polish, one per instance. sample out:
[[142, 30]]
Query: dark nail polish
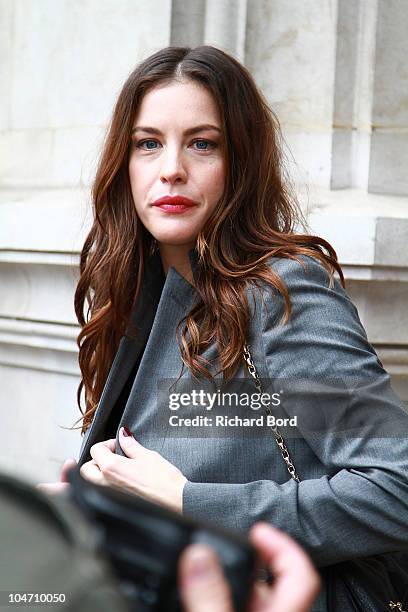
[[126, 431]]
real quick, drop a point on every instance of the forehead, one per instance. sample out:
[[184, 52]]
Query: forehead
[[179, 101]]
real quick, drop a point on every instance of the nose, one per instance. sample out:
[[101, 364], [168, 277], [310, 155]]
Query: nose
[[173, 169]]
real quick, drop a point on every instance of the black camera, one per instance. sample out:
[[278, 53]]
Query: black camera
[[143, 542]]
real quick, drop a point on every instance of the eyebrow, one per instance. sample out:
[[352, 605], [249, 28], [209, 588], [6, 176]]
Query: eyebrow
[[188, 132]]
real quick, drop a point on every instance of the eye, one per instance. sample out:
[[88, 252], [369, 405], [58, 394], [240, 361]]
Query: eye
[[209, 145], [149, 144], [140, 144]]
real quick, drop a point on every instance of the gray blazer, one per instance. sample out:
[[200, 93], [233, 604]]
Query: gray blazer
[[353, 496]]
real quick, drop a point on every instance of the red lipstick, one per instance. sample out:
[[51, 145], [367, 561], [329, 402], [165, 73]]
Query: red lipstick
[[174, 204]]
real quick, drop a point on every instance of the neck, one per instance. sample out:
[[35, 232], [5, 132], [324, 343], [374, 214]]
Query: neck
[[176, 256]]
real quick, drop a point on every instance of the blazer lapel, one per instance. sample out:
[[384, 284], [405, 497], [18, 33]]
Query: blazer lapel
[[128, 351]]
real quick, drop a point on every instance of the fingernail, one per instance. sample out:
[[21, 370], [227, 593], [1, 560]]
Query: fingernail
[[127, 432]]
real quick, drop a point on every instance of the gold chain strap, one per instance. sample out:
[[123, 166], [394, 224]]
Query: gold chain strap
[[278, 438]]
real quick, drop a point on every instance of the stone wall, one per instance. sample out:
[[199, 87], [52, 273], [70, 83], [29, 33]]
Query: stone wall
[[335, 73]]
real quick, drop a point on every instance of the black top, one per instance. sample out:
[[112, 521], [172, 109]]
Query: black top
[[115, 416]]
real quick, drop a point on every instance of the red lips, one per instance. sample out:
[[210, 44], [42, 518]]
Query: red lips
[[176, 200]]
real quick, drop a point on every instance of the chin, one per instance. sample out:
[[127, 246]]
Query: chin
[[173, 240], [176, 236]]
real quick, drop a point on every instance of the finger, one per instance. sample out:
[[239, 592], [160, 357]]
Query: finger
[[259, 597], [111, 466], [130, 446], [91, 472], [102, 454], [111, 444], [296, 580], [202, 584], [52, 488], [69, 464]]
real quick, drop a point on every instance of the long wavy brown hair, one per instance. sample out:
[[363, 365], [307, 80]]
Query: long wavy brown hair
[[257, 217]]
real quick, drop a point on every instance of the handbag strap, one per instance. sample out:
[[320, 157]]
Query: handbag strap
[[278, 437]]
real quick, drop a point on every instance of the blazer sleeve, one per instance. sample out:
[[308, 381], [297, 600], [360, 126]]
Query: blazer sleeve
[[360, 506]]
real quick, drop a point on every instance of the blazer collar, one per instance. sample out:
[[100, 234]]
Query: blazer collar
[[154, 281], [154, 277]]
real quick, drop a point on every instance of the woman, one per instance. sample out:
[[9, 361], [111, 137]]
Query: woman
[[193, 253]]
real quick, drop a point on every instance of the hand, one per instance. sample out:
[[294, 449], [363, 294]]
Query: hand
[[53, 488], [203, 587], [142, 471]]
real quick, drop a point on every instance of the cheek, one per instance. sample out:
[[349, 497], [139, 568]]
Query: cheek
[[133, 176], [216, 180], [138, 182]]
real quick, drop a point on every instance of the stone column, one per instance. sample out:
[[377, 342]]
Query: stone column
[[389, 141], [187, 23], [291, 51], [221, 23], [225, 26], [353, 92]]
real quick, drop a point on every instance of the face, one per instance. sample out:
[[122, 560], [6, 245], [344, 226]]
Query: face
[[177, 150]]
